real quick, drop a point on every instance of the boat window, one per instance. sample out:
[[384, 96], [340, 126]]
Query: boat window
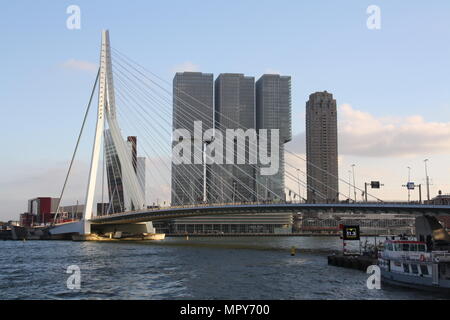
[[424, 270], [414, 269], [421, 247], [405, 247], [406, 267], [413, 247], [397, 247]]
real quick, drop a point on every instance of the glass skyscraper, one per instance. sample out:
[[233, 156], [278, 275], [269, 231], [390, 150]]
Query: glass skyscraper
[[119, 201], [232, 102], [192, 101], [273, 111], [234, 109]]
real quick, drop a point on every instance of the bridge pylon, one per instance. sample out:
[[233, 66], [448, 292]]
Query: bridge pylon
[[107, 110]]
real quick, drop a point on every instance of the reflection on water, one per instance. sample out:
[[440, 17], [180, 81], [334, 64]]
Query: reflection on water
[[176, 268]]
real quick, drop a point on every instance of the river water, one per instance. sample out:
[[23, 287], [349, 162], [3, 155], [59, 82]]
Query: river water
[[176, 268]]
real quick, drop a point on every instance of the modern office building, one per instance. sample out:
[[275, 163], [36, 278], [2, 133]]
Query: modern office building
[[141, 171], [192, 101], [132, 143], [114, 175], [119, 201], [273, 111], [234, 109], [322, 148]]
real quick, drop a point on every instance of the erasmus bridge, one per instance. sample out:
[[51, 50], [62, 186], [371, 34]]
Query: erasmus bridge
[[143, 93]]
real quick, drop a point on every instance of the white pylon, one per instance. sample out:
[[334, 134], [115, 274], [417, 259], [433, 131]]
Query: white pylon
[[107, 108]]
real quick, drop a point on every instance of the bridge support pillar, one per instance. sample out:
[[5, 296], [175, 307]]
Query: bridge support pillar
[[86, 226], [133, 228]]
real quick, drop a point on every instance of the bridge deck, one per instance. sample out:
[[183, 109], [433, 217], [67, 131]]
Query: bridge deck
[[165, 213]]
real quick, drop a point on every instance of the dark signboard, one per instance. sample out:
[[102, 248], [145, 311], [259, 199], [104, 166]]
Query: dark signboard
[[375, 184], [350, 233]]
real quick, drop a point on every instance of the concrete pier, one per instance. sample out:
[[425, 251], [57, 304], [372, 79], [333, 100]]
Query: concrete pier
[[352, 262]]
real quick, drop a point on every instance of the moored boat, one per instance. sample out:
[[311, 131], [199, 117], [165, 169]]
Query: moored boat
[[412, 263]]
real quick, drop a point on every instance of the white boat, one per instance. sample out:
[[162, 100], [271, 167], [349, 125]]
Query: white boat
[[410, 263]]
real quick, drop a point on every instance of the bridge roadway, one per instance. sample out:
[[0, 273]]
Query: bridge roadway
[[165, 213]]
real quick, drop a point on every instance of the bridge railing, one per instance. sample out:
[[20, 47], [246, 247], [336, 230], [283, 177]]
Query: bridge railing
[[222, 204], [195, 205]]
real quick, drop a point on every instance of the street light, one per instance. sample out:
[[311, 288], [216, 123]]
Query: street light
[[349, 183], [409, 180], [354, 184], [427, 179]]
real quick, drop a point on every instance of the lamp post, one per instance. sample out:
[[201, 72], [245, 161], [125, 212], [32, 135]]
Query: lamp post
[[349, 183], [354, 184], [409, 180], [427, 179]]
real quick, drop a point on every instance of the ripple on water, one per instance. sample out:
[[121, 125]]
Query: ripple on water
[[201, 268]]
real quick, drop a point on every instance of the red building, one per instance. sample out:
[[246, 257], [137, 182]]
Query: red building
[[43, 208], [27, 219]]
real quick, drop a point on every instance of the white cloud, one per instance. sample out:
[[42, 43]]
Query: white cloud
[[80, 65], [382, 148], [185, 66], [362, 134]]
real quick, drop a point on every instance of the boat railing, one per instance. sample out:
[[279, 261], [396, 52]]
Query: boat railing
[[441, 255]]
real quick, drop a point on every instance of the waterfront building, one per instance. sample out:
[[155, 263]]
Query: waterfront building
[[71, 212], [192, 101], [119, 200], [374, 224], [273, 111], [141, 171], [114, 175], [43, 208], [27, 219], [275, 223], [322, 148], [234, 109]]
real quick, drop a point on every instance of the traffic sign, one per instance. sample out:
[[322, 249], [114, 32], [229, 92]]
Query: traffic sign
[[375, 184]]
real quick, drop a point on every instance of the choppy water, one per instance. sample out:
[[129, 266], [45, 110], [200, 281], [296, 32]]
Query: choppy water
[[176, 268]]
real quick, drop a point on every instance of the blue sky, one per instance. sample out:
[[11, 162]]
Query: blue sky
[[398, 71]]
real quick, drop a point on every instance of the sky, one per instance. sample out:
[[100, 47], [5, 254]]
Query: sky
[[391, 84]]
